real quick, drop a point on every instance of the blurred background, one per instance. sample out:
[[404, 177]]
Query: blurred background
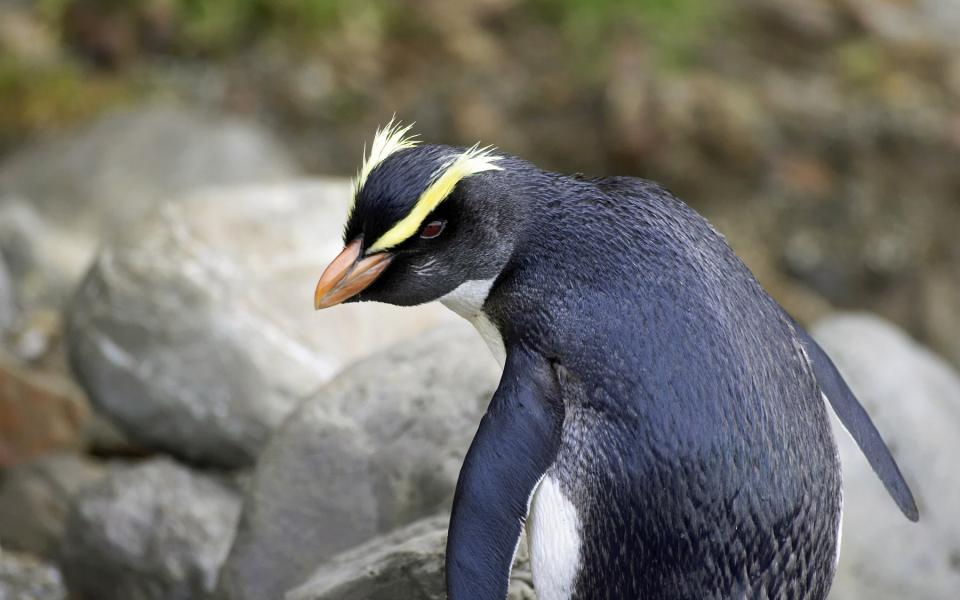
[[173, 177]]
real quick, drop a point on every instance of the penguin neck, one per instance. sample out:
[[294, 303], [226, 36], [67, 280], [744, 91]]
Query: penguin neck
[[518, 209], [467, 300]]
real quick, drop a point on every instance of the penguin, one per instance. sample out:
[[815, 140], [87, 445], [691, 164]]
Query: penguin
[[660, 427]]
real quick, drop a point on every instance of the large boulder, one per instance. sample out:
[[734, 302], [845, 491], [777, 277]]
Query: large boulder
[[61, 196], [914, 398], [35, 498], [155, 531], [378, 447], [195, 330], [407, 564], [23, 577]]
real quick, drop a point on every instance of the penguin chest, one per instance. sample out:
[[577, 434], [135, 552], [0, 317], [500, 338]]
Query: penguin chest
[[554, 534]]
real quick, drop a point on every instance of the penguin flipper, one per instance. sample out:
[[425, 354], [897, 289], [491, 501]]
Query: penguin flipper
[[855, 418], [516, 443]]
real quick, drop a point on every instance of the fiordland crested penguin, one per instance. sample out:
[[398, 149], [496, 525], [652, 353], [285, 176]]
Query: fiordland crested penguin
[[660, 425]]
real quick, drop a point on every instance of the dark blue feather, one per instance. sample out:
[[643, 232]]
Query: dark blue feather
[[516, 442], [853, 416]]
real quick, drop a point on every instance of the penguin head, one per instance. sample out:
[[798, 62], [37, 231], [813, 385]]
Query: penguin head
[[425, 219]]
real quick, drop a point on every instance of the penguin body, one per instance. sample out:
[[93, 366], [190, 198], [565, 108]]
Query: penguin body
[[660, 424], [695, 451]]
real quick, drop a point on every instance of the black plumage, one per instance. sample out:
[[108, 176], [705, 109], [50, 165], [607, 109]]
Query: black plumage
[[676, 404], [695, 438]]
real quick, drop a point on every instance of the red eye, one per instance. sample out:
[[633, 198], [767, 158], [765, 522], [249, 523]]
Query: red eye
[[432, 229]]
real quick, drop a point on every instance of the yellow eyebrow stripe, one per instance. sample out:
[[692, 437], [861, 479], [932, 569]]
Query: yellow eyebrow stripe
[[473, 161]]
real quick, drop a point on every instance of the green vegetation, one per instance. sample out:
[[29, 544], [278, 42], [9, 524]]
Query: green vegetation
[[225, 25], [34, 99], [675, 27], [218, 26], [107, 50], [222, 25]]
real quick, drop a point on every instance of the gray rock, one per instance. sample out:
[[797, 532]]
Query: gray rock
[[45, 261], [35, 498], [919, 24], [378, 447], [914, 398], [86, 185], [816, 20], [35, 338], [25, 578], [195, 331], [940, 325], [149, 532], [107, 174], [8, 306], [406, 564]]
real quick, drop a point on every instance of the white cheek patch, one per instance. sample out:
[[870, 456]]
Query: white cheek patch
[[467, 301], [553, 534]]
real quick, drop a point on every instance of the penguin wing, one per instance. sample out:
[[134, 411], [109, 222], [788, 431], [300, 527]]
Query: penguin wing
[[855, 418], [516, 442]]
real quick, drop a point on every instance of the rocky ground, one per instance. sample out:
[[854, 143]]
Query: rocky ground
[[178, 423]]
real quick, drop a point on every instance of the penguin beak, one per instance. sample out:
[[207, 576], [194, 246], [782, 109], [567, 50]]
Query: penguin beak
[[348, 274]]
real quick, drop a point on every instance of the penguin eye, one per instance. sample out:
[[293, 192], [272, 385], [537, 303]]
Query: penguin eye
[[432, 229]]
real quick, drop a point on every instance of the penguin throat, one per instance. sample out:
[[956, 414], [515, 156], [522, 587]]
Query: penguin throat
[[467, 301]]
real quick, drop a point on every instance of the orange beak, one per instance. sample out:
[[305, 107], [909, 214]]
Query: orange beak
[[348, 274]]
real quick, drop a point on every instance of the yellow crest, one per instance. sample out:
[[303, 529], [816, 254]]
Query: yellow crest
[[389, 139], [470, 162]]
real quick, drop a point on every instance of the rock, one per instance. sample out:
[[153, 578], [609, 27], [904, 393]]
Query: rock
[[25, 578], [815, 20], [196, 333], [914, 398], [105, 175], [39, 412], [8, 306], [45, 261], [406, 564], [36, 339], [153, 531], [35, 498], [940, 322], [24, 37], [104, 439], [87, 185], [922, 24], [378, 447]]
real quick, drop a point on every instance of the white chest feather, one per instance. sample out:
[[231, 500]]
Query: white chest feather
[[553, 536], [467, 301]]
